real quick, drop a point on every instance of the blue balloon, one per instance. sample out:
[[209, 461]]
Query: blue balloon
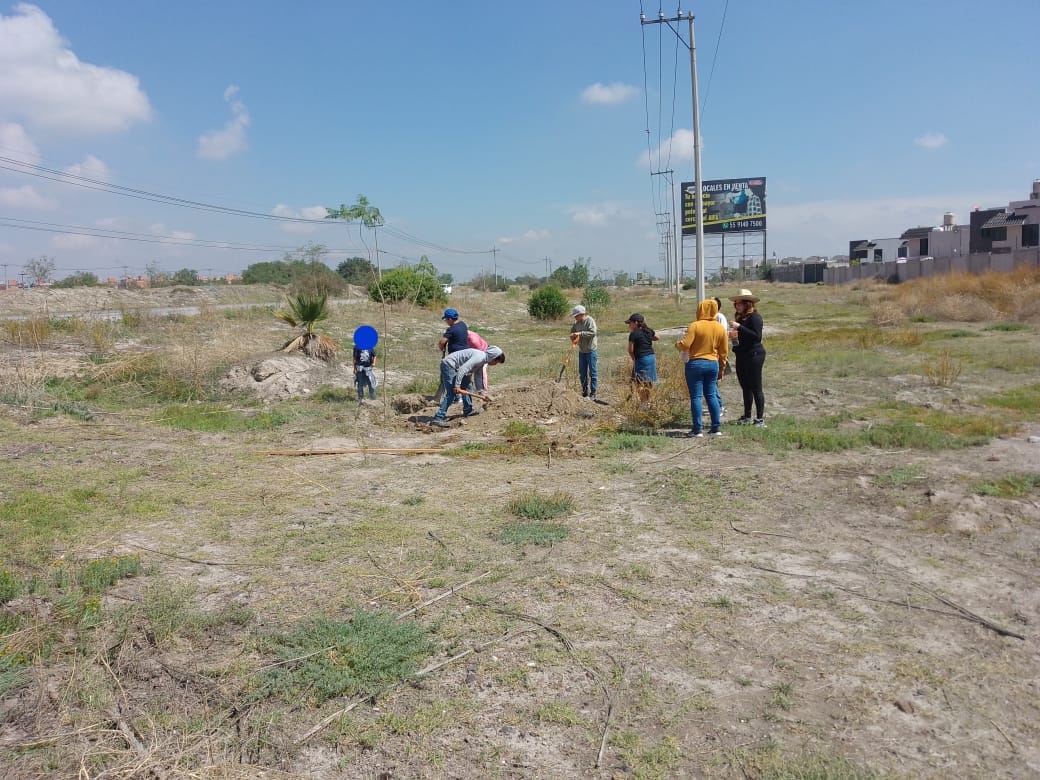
[[365, 337]]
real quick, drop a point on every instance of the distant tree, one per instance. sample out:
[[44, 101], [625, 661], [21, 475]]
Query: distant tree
[[157, 277], [186, 277], [622, 279], [560, 277], [547, 303], [302, 270], [580, 272], [40, 269], [577, 275], [304, 311], [530, 281], [357, 270], [445, 278], [489, 282], [81, 279]]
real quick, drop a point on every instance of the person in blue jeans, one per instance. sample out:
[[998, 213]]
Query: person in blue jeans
[[457, 367], [583, 334], [707, 345]]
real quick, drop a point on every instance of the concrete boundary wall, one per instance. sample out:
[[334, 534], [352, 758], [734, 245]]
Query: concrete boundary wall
[[980, 263]]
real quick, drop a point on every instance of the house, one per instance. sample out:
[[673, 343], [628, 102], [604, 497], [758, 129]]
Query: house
[[989, 231], [878, 250], [1016, 227]]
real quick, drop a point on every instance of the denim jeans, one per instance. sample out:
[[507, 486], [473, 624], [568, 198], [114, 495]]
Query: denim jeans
[[702, 380], [587, 372], [448, 381]]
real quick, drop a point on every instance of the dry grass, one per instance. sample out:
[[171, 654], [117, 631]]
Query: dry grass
[[969, 297], [941, 371]]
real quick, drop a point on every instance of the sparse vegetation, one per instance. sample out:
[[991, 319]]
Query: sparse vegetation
[[546, 560]]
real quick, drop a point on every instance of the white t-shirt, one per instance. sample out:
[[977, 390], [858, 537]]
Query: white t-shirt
[[721, 319]]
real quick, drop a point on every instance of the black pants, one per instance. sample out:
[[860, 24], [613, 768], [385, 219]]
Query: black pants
[[749, 374]]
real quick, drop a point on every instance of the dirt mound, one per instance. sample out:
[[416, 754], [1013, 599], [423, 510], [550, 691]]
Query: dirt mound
[[278, 377], [539, 401]]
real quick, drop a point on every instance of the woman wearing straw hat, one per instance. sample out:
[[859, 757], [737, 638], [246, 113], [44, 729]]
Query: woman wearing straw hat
[[746, 333]]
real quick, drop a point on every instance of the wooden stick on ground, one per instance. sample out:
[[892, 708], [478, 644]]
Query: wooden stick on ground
[[451, 592], [969, 614], [359, 451]]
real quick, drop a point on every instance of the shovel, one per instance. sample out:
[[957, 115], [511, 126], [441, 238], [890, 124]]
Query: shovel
[[485, 398], [566, 362]]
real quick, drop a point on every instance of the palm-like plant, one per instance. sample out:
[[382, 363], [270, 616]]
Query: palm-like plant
[[305, 311]]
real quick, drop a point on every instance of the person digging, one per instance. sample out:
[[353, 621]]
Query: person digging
[[455, 372]]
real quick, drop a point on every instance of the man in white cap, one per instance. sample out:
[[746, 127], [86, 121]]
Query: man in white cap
[[583, 333], [456, 368]]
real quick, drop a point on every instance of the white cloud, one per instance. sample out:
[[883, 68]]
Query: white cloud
[[44, 82], [73, 242], [530, 235], [588, 216], [159, 229], [678, 148], [16, 144], [221, 144], [307, 212], [931, 141], [90, 168], [25, 197], [608, 94], [595, 214]]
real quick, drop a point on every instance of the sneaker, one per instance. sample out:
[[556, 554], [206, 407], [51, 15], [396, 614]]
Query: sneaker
[[744, 420], [759, 423], [592, 396], [694, 435], [471, 413], [715, 433], [437, 423]]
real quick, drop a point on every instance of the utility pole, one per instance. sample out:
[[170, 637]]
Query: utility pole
[[674, 269], [696, 137], [494, 263], [5, 276], [547, 262]]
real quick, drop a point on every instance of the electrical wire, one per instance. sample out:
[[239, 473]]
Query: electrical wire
[[715, 56]]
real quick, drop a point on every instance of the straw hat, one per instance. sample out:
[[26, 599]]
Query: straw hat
[[744, 295]]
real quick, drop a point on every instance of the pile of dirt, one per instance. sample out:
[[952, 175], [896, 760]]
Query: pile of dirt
[[279, 376], [543, 403]]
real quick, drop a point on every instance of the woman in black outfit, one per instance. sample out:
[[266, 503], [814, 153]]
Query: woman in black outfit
[[746, 332]]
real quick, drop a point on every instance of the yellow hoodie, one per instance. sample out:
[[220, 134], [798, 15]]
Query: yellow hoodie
[[705, 338]]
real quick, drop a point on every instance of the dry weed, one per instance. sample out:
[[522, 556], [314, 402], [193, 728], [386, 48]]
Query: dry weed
[[886, 313], [941, 371], [973, 297]]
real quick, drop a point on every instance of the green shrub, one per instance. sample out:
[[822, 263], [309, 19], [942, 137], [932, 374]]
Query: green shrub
[[408, 284], [539, 506], [11, 585], [542, 534], [547, 303], [325, 658], [102, 573], [596, 298]]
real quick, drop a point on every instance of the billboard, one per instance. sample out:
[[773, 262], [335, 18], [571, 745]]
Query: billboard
[[730, 205]]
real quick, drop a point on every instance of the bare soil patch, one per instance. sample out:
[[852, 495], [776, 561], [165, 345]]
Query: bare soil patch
[[718, 607]]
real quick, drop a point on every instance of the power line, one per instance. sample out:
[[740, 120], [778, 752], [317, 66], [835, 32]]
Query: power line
[[714, 57], [123, 235]]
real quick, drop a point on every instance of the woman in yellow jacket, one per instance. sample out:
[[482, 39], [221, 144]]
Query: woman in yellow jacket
[[706, 345]]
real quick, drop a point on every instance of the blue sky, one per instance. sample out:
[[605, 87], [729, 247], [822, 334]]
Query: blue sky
[[472, 125]]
